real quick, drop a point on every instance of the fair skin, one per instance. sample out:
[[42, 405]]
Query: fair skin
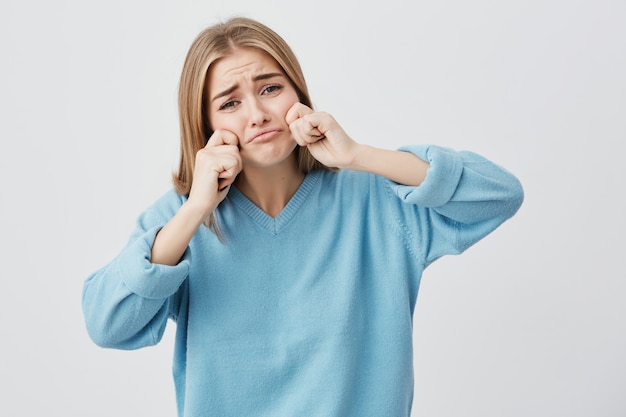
[[258, 121]]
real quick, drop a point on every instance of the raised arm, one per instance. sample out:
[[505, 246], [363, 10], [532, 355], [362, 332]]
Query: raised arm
[[216, 167], [464, 195], [329, 144]]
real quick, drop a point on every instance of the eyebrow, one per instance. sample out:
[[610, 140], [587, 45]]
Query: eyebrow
[[259, 77]]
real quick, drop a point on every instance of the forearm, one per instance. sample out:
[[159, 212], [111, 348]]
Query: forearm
[[172, 240], [402, 167]]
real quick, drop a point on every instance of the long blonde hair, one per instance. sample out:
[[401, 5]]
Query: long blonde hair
[[211, 44]]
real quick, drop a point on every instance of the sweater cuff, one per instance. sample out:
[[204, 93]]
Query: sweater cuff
[[442, 178], [148, 280]]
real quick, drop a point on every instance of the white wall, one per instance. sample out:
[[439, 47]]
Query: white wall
[[529, 322]]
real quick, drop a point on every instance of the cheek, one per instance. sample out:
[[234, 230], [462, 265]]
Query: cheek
[[224, 121], [288, 103]]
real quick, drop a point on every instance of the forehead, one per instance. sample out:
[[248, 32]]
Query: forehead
[[243, 63]]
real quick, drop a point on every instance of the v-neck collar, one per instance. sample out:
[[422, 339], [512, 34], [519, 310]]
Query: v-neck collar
[[275, 224]]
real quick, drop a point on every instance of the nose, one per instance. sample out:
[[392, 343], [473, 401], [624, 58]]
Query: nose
[[257, 113]]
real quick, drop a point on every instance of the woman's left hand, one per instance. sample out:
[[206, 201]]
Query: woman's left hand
[[322, 135]]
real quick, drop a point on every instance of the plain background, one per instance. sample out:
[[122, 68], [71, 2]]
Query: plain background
[[529, 322]]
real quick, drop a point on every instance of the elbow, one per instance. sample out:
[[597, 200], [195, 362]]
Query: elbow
[[100, 331], [100, 339], [116, 330], [106, 336], [516, 197], [100, 325], [97, 321], [504, 206]]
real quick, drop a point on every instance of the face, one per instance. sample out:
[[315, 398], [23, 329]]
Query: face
[[249, 95]]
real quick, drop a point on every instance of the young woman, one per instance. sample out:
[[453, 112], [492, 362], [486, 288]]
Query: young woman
[[288, 255]]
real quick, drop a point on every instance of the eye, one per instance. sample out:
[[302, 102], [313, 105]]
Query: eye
[[272, 89], [229, 105]]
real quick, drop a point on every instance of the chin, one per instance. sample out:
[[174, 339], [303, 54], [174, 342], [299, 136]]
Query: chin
[[268, 158]]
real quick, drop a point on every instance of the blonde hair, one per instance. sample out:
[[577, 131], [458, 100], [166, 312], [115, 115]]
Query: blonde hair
[[211, 44]]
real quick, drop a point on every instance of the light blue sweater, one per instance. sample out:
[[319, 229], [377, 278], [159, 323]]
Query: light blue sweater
[[309, 313]]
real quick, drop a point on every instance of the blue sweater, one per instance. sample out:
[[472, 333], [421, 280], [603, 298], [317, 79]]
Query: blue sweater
[[308, 313]]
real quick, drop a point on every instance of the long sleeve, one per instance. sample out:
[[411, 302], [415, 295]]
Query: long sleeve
[[126, 303], [464, 197]]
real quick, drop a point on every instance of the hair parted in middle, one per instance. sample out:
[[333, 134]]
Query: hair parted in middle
[[213, 43]]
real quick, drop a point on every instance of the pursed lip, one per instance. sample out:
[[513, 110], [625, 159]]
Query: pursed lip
[[264, 135]]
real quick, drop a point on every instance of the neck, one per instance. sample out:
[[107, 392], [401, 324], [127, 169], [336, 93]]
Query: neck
[[270, 188]]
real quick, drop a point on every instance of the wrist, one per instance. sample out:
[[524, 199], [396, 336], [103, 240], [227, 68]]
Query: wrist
[[364, 156], [194, 213]]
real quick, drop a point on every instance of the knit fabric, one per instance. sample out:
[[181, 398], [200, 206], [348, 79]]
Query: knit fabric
[[308, 313]]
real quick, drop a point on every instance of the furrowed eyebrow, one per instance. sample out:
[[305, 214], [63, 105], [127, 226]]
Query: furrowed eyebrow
[[267, 76], [225, 92], [259, 77]]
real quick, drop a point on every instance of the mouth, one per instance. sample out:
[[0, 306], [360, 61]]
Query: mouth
[[264, 135]]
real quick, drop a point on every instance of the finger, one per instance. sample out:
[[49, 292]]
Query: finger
[[297, 111], [229, 170], [318, 122], [223, 161], [227, 176], [298, 133], [224, 183], [309, 128], [313, 129], [223, 187], [223, 137]]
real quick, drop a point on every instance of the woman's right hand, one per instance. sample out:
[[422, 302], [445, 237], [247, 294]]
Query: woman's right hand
[[216, 167]]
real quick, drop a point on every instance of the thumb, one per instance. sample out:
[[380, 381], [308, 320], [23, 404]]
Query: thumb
[[222, 137]]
